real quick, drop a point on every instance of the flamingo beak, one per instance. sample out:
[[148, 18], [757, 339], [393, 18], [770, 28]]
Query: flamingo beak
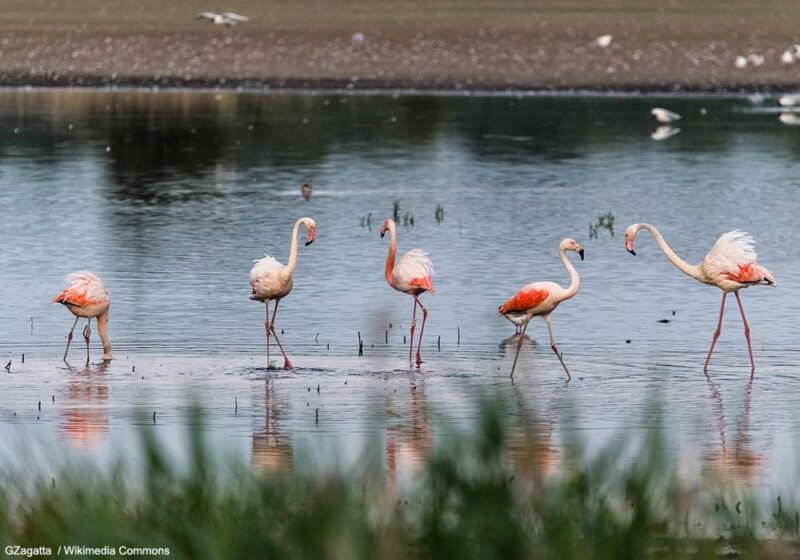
[[629, 247], [383, 232], [580, 252], [312, 236]]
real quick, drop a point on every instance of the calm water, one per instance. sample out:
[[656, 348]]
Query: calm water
[[170, 196]]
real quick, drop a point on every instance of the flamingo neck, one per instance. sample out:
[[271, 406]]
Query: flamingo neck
[[102, 330], [680, 264], [391, 255], [290, 266], [575, 281]]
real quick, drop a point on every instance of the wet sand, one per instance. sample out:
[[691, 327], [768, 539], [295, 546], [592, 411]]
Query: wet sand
[[447, 44]]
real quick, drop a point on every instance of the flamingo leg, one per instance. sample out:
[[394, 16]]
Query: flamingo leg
[[413, 326], [87, 334], [69, 337], [746, 335], [286, 363], [519, 347], [716, 333], [554, 347], [267, 329], [421, 329]]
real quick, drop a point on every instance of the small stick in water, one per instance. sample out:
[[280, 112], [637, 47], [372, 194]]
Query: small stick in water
[[318, 389], [439, 342], [458, 330], [329, 346], [23, 358], [316, 416], [316, 338], [133, 369], [386, 337], [360, 345], [40, 406], [404, 339], [54, 398], [154, 417], [235, 405], [8, 366]]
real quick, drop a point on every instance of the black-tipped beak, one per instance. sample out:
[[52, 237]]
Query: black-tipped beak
[[309, 242], [383, 232], [632, 252], [581, 253]]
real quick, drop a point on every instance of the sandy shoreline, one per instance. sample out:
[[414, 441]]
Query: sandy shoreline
[[452, 45]]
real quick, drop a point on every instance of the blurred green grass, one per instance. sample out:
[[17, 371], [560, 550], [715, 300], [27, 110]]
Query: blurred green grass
[[471, 499]]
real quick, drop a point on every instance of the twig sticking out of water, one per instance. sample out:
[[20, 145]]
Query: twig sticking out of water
[[316, 416], [439, 214], [408, 219], [366, 221], [605, 221], [316, 338], [154, 417], [360, 345], [40, 406], [8, 366], [235, 405], [31, 325], [458, 330], [318, 389], [396, 210], [404, 339], [386, 337], [439, 342], [23, 355]]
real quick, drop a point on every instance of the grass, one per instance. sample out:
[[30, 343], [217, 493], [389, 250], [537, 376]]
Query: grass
[[478, 495]]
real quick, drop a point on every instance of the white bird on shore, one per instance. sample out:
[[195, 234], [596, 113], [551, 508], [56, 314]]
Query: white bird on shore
[[787, 57], [664, 131], [792, 119], [789, 100], [740, 62], [358, 39], [603, 40], [228, 18], [664, 116], [755, 59]]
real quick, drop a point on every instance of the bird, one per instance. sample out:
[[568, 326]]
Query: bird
[[740, 62], [86, 296], [228, 18], [789, 100], [792, 119], [305, 190], [664, 116], [603, 41], [358, 39], [539, 299], [730, 265], [413, 275], [272, 281]]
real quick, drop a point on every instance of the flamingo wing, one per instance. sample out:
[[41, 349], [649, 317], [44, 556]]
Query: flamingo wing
[[83, 288], [733, 257], [525, 299], [415, 269], [206, 15]]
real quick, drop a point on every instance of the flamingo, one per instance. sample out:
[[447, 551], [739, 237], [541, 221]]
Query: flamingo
[[664, 116], [270, 280], [539, 299], [730, 265], [86, 296], [228, 18], [411, 275]]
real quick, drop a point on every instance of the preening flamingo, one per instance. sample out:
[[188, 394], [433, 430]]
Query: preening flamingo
[[86, 296], [730, 265], [412, 275], [272, 281], [539, 299]]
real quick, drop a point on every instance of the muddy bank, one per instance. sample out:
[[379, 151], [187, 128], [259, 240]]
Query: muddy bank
[[448, 44]]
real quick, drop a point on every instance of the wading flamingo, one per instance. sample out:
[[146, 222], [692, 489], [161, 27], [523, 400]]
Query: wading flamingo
[[411, 275], [539, 299], [86, 296], [271, 280], [730, 265]]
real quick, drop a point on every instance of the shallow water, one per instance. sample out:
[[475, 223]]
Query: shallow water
[[170, 196]]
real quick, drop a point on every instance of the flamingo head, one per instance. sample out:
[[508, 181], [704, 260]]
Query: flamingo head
[[387, 225], [311, 230], [630, 235], [570, 244]]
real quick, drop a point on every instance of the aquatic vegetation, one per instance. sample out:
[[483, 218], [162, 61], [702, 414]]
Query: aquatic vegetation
[[605, 221], [439, 214], [483, 493]]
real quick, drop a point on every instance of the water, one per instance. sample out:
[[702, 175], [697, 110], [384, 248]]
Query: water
[[170, 196]]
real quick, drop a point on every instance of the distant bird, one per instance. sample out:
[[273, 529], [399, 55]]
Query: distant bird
[[305, 190], [664, 116], [730, 266], [740, 62], [272, 281], [358, 39], [412, 275], [664, 131], [86, 296], [603, 40], [788, 57], [755, 59], [541, 298], [228, 18], [789, 100], [792, 119]]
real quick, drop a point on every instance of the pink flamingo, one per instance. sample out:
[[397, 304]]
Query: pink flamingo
[[86, 296], [730, 265], [411, 275], [539, 299], [270, 280]]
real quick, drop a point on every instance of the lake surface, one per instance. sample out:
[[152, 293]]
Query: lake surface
[[169, 196]]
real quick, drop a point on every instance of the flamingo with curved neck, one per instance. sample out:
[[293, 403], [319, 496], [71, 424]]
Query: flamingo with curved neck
[[539, 299], [271, 280], [412, 275], [86, 296], [730, 265]]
